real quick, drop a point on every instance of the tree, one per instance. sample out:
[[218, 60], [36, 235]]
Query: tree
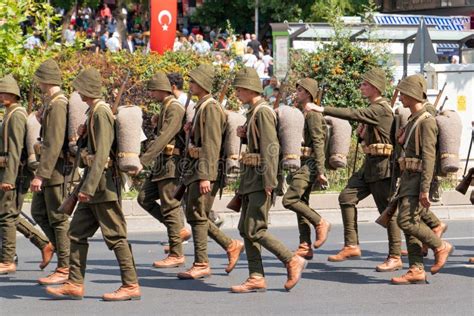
[[320, 10]]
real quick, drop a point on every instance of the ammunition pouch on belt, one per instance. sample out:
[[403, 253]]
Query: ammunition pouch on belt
[[365, 149], [3, 160], [249, 159], [410, 164], [194, 152], [88, 159], [306, 152], [170, 150], [380, 149], [234, 157]]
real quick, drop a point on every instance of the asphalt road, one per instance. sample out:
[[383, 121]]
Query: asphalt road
[[351, 287]]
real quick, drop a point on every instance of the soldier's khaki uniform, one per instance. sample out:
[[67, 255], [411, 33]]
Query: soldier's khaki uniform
[[52, 164], [104, 210], [374, 176], [166, 150], [208, 127], [301, 182], [12, 136]]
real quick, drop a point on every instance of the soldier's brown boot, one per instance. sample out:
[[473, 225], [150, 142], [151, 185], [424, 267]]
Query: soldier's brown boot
[[170, 262], [322, 231], [197, 271], [294, 270], [346, 253], [46, 255], [126, 292], [392, 263], [185, 235], [7, 268], [68, 290], [304, 251], [441, 256], [439, 232], [59, 276], [234, 250], [415, 275], [252, 284]]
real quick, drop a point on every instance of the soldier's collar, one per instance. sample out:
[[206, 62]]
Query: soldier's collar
[[254, 106], [49, 99], [202, 100], [414, 116], [11, 108], [168, 100]]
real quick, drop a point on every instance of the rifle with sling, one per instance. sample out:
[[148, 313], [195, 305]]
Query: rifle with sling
[[181, 188], [281, 92], [466, 181], [438, 97]]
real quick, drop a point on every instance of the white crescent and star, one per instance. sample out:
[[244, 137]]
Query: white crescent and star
[[162, 14]]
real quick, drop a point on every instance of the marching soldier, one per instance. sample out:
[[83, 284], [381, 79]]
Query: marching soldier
[[48, 183], [419, 144], [206, 133], [9, 96], [374, 177], [312, 170], [166, 150], [99, 199], [258, 180]]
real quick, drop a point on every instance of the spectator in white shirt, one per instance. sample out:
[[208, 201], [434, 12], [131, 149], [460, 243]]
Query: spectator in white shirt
[[113, 43], [249, 59], [201, 46], [70, 35]]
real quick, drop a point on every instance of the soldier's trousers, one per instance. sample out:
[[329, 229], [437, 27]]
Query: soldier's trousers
[[416, 231], [430, 219], [31, 233], [107, 216], [198, 207], [44, 209], [167, 212], [8, 220], [253, 227], [296, 199], [355, 191]]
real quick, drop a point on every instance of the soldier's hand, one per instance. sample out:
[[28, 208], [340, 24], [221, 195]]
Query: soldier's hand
[[425, 199], [313, 107], [268, 191], [241, 131], [83, 197], [204, 186], [323, 181], [36, 183], [6, 187]]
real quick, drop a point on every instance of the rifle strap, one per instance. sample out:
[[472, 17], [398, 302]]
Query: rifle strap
[[414, 128], [252, 126], [99, 103]]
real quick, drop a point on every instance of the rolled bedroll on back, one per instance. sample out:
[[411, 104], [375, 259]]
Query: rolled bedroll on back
[[76, 116], [449, 139], [339, 141], [232, 144], [290, 133], [129, 122]]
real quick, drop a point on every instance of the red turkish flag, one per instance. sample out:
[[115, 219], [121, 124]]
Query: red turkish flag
[[164, 16]]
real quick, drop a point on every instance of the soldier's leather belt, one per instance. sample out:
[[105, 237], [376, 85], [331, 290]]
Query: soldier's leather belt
[[88, 159], [290, 157], [249, 159], [170, 150], [410, 164], [194, 152], [448, 155], [234, 157], [3, 161], [379, 150], [306, 152]]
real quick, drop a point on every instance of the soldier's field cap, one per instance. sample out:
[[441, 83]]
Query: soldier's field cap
[[89, 83], [424, 84], [8, 84], [248, 78], [309, 85], [377, 78], [48, 72], [159, 82], [412, 86], [203, 76]]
